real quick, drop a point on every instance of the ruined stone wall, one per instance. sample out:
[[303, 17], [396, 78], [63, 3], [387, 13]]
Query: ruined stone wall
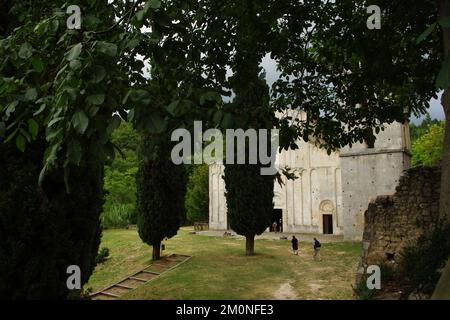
[[395, 221]]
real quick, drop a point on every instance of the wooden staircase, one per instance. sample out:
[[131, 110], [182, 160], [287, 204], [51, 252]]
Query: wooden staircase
[[139, 278]]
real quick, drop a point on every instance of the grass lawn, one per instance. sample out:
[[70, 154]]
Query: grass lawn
[[219, 268]]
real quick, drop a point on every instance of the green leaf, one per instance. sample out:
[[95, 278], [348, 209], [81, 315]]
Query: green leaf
[[11, 136], [154, 4], [80, 121], [31, 94], [107, 48], [137, 95], [25, 51], [41, 109], [93, 110], [131, 115], [55, 120], [98, 74], [11, 108], [52, 134], [140, 15], [172, 108], [443, 78], [33, 128], [151, 4], [133, 43], [95, 99], [210, 96], [37, 63], [426, 33], [25, 134], [74, 53], [75, 64], [21, 143], [50, 157]]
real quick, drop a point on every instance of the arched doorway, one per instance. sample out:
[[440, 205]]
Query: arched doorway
[[326, 211]]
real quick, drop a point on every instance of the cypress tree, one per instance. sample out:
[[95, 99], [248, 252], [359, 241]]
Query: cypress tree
[[249, 194], [161, 188], [249, 201], [43, 230]]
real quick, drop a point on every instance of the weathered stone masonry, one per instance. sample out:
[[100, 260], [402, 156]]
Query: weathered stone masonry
[[396, 221]]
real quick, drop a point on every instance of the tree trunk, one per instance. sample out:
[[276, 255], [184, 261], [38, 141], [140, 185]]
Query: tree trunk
[[156, 251], [250, 245], [444, 201]]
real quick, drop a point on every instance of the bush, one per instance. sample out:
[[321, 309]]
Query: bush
[[118, 216], [427, 150], [420, 263], [102, 255], [197, 195], [364, 293], [43, 230], [120, 180]]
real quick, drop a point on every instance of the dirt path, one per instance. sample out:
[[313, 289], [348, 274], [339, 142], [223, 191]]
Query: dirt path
[[285, 292]]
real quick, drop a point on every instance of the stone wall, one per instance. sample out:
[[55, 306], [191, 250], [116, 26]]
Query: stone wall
[[395, 221]]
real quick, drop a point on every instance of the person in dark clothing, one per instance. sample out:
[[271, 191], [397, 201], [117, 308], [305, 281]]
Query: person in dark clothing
[[294, 242], [316, 245]]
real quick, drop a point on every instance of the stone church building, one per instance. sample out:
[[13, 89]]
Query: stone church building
[[331, 192]]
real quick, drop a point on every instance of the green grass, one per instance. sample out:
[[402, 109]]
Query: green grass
[[219, 268]]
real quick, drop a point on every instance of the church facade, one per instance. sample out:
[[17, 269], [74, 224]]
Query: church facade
[[331, 192]]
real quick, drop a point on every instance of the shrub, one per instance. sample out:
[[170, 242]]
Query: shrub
[[427, 150], [420, 263], [362, 292], [120, 180], [197, 195], [102, 255], [117, 215]]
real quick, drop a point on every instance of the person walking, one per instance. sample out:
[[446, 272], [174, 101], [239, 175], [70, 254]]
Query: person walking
[[274, 226], [294, 242], [316, 245]]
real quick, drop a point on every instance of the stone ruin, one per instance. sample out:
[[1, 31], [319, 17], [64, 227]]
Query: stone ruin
[[396, 221]]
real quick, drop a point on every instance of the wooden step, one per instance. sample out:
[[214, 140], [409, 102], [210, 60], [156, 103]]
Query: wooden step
[[151, 272], [124, 286], [138, 279], [108, 294]]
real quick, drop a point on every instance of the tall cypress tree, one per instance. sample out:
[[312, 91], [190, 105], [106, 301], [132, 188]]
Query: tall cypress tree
[[161, 188], [43, 230], [249, 194], [249, 201]]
